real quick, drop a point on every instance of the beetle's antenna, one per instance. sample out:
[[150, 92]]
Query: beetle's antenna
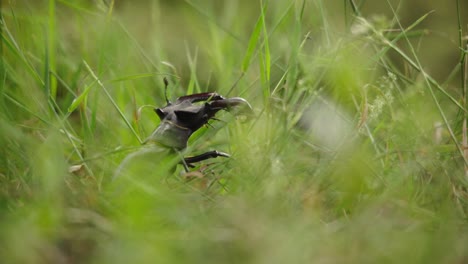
[[166, 84]]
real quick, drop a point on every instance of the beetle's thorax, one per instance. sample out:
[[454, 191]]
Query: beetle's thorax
[[171, 135], [179, 121]]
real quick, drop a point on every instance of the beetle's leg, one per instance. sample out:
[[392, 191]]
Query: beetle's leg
[[207, 155]]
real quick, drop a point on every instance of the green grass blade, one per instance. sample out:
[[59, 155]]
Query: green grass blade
[[193, 86], [429, 82], [254, 38], [51, 51], [129, 125], [78, 100], [13, 47], [411, 62], [26, 109], [138, 76], [266, 49], [211, 19]]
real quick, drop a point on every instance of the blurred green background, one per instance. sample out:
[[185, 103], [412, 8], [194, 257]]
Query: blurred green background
[[356, 153]]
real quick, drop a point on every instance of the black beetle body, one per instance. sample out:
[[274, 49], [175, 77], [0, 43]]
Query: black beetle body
[[179, 120]]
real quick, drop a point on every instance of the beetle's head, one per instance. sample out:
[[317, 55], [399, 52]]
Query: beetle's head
[[180, 119]]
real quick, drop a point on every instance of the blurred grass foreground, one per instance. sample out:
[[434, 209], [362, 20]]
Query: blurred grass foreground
[[357, 152]]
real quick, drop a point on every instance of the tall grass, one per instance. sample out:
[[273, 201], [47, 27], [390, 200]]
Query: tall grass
[[356, 153]]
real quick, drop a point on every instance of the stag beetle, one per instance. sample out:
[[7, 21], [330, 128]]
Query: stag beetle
[[179, 120]]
